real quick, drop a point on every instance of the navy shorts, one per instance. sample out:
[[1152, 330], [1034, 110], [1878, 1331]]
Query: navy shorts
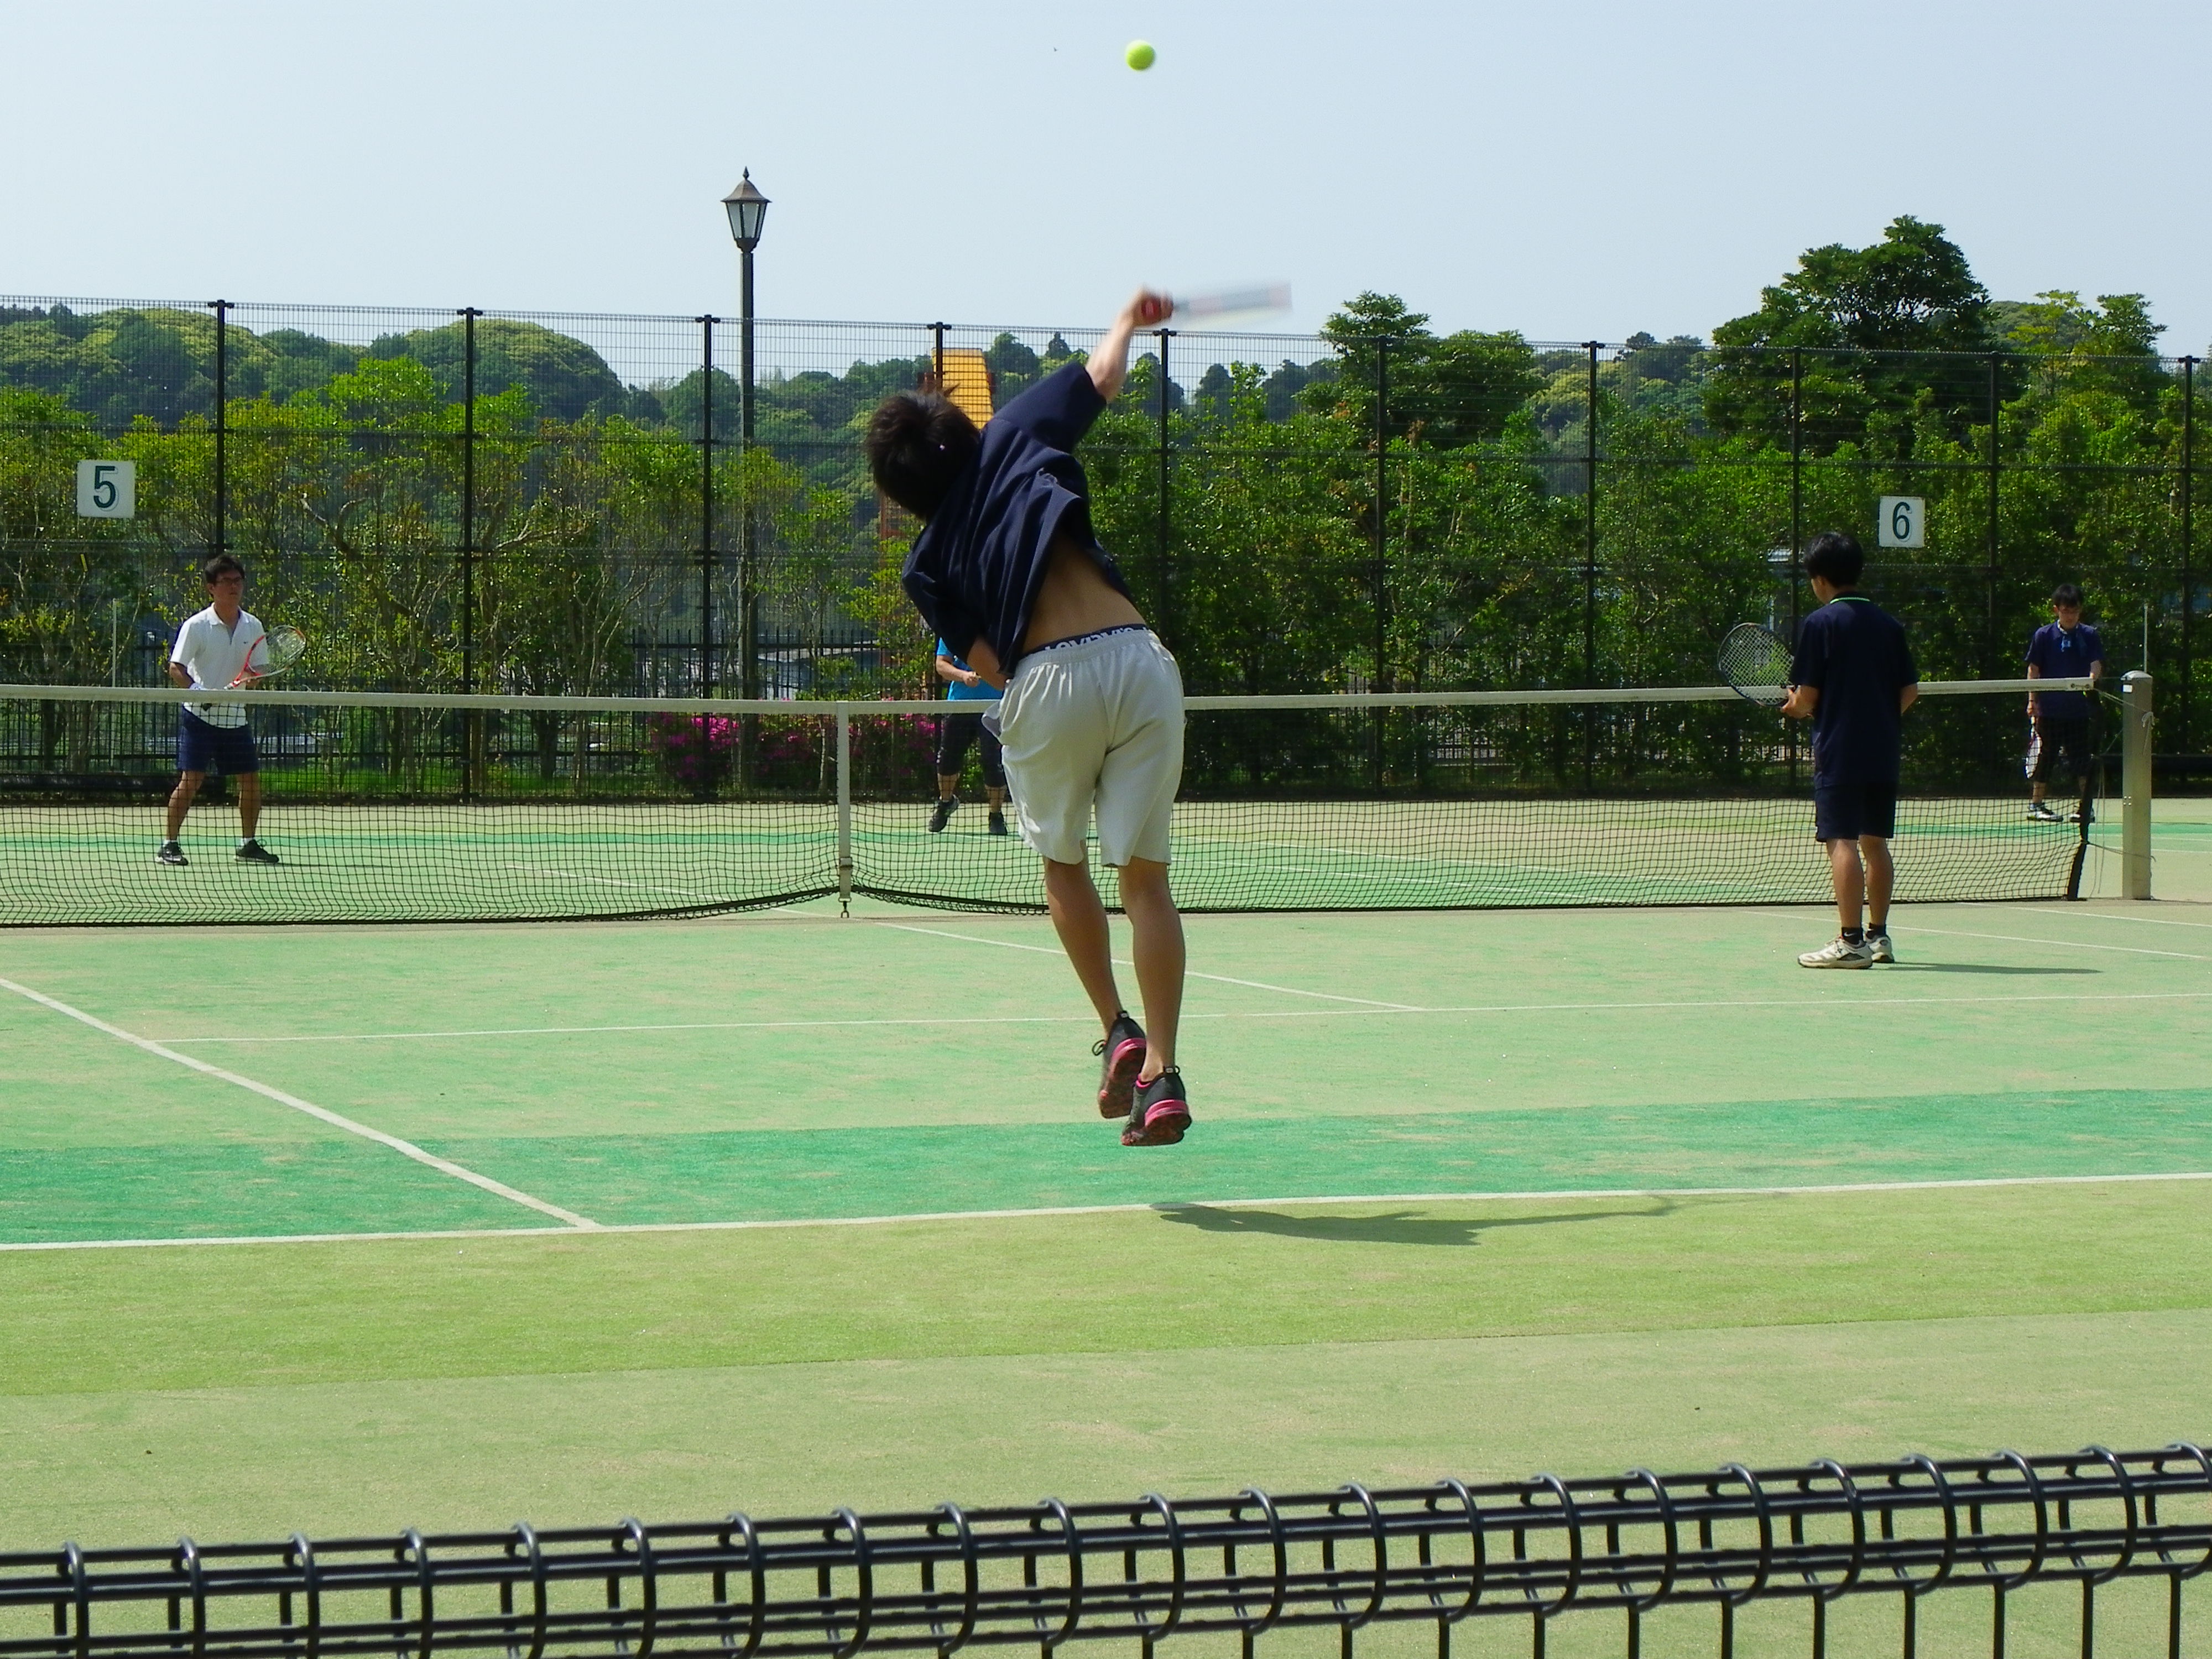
[[955, 732], [1847, 812], [2057, 743], [204, 748]]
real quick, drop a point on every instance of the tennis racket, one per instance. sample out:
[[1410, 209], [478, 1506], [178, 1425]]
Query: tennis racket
[[278, 649], [1223, 302], [1756, 664]]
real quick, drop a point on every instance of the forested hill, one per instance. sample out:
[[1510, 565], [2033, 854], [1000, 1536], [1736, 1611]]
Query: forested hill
[[116, 365]]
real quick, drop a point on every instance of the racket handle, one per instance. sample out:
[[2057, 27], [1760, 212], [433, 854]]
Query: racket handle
[[1153, 308]]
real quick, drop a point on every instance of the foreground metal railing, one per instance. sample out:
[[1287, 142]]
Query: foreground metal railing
[[944, 1579]]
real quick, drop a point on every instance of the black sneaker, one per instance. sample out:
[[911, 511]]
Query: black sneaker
[[941, 814], [1161, 1115], [998, 823], [2041, 814], [253, 852], [171, 853], [1123, 1049]]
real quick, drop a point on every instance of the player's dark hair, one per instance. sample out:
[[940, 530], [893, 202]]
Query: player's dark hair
[[222, 565], [1835, 556], [2066, 593], [917, 444]]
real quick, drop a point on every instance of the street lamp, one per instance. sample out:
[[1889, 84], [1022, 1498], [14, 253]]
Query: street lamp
[[747, 212]]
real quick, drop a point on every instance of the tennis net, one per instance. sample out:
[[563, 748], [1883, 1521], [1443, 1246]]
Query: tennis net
[[384, 807]]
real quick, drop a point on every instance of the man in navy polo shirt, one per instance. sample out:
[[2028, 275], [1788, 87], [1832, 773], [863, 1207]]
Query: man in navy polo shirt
[[2058, 721], [1853, 678]]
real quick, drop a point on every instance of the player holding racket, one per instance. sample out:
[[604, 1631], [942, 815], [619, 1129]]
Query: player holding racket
[[1853, 678], [220, 647], [1007, 569]]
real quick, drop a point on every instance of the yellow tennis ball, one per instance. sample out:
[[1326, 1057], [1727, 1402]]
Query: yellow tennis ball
[[1139, 55]]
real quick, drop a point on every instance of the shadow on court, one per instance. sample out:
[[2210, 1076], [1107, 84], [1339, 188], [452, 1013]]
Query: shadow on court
[[1977, 968], [1399, 1227]]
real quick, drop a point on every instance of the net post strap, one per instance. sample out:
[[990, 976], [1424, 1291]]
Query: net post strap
[[2136, 784]]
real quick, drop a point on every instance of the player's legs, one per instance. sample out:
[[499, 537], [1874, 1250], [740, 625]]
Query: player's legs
[[1848, 875], [1156, 945], [249, 804], [1079, 919], [992, 755], [1880, 880], [180, 801]]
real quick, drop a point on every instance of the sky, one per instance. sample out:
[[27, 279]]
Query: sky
[[1575, 169]]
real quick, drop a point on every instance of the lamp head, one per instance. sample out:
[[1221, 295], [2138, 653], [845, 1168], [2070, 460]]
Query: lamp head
[[747, 209]]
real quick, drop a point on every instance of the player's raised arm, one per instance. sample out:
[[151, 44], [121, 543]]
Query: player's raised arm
[[1109, 359]]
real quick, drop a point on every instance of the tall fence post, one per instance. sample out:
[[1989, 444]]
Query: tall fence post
[[1589, 567], [1796, 479], [748, 524], [2184, 736], [471, 722], [1990, 596], [221, 309], [707, 505], [1381, 681], [1165, 574]]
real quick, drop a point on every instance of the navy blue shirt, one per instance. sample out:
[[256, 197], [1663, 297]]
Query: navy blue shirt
[[975, 569], [1855, 651], [2058, 655]]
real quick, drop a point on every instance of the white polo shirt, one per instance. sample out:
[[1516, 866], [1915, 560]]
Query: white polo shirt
[[215, 656]]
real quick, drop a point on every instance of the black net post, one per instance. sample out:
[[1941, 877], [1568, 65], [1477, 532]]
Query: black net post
[[707, 505]]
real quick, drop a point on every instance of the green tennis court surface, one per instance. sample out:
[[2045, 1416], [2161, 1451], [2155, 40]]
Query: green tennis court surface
[[1469, 1191]]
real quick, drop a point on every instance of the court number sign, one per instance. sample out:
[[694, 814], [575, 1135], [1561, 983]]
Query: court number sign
[[106, 489], [1900, 521]]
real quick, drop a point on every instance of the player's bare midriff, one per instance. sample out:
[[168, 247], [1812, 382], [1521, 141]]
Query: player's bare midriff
[[1076, 598]]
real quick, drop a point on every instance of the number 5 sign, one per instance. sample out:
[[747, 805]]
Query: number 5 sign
[[1900, 521], [106, 489]]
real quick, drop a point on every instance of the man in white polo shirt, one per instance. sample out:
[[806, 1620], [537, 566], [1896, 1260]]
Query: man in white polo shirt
[[214, 648]]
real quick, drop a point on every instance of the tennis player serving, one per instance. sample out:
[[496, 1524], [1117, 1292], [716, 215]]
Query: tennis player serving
[[216, 648], [1009, 572]]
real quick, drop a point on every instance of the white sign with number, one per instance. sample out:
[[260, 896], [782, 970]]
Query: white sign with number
[[1900, 521], [106, 489]]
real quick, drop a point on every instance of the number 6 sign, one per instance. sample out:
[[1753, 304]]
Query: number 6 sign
[[1900, 521], [106, 489]]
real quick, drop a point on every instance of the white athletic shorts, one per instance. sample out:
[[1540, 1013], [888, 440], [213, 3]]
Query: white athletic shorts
[[1095, 721]]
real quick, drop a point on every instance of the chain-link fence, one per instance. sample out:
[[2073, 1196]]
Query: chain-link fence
[[539, 503]]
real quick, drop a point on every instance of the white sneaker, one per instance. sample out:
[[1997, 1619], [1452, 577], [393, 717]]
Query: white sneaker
[[2039, 813], [1839, 953], [1882, 950]]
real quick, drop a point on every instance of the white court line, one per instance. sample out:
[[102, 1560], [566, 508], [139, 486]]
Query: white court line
[[2012, 938], [1163, 1207], [1279, 1013], [2119, 915], [404, 1148], [1222, 979]]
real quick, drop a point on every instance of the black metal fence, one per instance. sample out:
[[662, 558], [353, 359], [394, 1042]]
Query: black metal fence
[[1794, 1545], [481, 500]]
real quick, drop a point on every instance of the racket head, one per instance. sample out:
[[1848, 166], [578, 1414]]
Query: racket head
[[1255, 300], [272, 653], [1755, 663]]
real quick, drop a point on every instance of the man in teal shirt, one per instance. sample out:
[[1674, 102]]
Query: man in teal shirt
[[955, 732]]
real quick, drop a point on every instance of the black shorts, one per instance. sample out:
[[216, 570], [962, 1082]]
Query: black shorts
[[203, 747], [955, 734], [1849, 811], [2054, 744]]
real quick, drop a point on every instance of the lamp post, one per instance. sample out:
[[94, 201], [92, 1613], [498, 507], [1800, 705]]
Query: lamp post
[[748, 209]]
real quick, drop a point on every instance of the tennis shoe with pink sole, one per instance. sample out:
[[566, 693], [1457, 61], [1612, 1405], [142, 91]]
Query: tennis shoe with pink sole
[[1161, 1115], [1121, 1052]]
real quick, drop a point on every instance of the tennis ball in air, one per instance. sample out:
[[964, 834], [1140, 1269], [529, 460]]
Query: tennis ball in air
[[1139, 55]]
